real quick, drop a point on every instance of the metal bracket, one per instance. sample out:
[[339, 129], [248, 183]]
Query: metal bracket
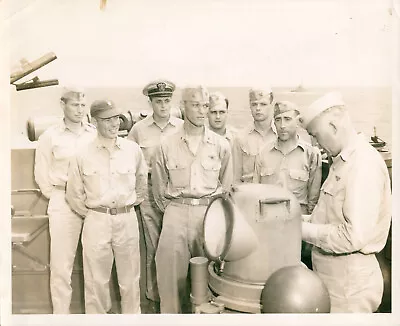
[[38, 262]]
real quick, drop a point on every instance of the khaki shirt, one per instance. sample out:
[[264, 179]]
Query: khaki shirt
[[148, 134], [100, 178], [353, 213], [299, 171], [230, 134], [246, 146], [54, 150], [179, 173]]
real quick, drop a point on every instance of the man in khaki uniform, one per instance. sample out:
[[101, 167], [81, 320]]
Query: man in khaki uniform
[[105, 182], [148, 133], [189, 167], [54, 150], [292, 163], [351, 220], [289, 161], [249, 141], [218, 116]]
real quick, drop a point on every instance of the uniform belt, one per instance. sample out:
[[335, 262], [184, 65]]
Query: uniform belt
[[59, 187], [205, 201], [113, 211]]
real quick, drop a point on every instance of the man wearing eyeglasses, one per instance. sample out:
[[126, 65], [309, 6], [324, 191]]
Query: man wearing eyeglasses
[[189, 167], [105, 182]]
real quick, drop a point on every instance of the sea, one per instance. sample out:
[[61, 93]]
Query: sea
[[369, 107]]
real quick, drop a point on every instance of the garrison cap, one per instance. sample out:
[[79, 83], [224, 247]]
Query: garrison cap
[[284, 106], [72, 93], [325, 102], [162, 88], [196, 94], [104, 109], [258, 94], [217, 99]]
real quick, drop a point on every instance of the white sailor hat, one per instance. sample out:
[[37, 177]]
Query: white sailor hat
[[325, 102], [196, 94]]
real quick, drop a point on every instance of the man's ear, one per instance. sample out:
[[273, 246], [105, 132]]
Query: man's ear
[[62, 105], [334, 124], [93, 121]]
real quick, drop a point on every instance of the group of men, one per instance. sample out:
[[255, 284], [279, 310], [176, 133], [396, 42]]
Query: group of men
[[170, 169]]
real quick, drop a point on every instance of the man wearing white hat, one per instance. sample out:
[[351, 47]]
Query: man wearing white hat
[[55, 148], [148, 134], [218, 116], [351, 220], [249, 141], [105, 182], [189, 168]]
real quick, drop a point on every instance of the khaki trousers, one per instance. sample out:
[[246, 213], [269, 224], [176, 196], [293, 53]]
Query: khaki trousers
[[64, 227], [181, 239], [107, 237], [354, 281], [152, 222]]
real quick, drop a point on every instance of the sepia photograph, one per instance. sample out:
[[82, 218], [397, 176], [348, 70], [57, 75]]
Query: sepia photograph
[[226, 158]]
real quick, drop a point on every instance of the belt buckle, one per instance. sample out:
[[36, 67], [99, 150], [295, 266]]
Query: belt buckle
[[113, 211], [195, 201]]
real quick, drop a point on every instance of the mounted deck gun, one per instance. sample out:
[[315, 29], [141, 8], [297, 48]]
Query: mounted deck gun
[[29, 67]]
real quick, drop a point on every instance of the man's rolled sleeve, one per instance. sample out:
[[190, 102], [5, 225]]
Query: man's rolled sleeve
[[43, 157], [75, 193], [159, 179]]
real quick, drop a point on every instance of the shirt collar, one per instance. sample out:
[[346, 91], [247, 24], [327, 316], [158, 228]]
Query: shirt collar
[[207, 135], [252, 127], [85, 125], [99, 143], [347, 151], [298, 143], [150, 120], [228, 134]]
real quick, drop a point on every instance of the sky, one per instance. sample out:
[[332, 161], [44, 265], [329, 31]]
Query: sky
[[215, 42]]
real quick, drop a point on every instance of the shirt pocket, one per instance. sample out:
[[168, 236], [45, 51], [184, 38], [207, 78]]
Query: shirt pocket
[[210, 175], [93, 180], [332, 198], [126, 177], [298, 181], [179, 174], [249, 158], [62, 152], [267, 175]]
